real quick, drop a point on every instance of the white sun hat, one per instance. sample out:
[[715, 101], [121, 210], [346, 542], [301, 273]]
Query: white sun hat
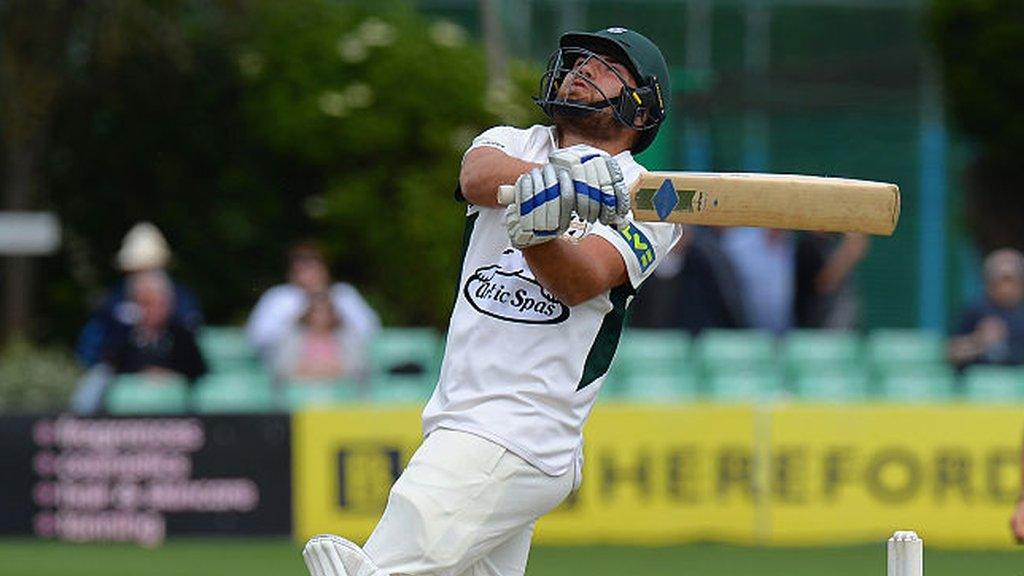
[[143, 248]]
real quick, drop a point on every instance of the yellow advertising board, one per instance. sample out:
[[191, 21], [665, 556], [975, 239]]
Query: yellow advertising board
[[781, 474], [849, 473], [661, 475], [344, 462]]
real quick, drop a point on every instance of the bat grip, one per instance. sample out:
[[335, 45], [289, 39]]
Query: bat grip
[[506, 194]]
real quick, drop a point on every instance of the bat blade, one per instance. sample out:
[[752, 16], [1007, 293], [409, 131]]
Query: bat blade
[[785, 201], [792, 202]]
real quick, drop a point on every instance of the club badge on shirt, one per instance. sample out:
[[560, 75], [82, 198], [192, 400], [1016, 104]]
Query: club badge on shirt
[[507, 291]]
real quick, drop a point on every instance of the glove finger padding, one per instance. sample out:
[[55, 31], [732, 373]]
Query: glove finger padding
[[602, 177], [567, 199], [598, 182], [553, 212], [588, 205], [568, 157], [614, 211], [543, 207], [539, 217], [575, 161]]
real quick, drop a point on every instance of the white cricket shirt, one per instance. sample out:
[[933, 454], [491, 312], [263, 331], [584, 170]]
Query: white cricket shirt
[[521, 368]]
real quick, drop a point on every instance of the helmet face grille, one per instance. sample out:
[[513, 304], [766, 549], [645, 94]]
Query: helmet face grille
[[636, 108], [564, 65]]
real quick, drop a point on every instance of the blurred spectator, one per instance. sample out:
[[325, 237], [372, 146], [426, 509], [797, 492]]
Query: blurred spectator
[[694, 288], [320, 346], [157, 343], [765, 263], [280, 307], [825, 296], [991, 331], [143, 249]]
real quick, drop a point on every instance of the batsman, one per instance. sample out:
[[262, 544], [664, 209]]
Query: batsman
[[543, 292]]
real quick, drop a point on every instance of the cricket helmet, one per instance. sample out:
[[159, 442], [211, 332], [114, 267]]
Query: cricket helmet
[[648, 103]]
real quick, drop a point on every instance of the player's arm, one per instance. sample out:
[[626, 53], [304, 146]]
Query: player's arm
[[841, 263], [589, 183], [484, 169], [965, 348], [575, 273]]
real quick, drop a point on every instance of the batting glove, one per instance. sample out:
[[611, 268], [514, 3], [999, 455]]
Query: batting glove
[[542, 209], [597, 179]]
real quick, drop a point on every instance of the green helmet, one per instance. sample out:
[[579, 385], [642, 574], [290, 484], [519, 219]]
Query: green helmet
[[649, 101]]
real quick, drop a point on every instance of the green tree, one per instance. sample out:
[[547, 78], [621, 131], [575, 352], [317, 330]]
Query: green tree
[[32, 65], [981, 47], [382, 103], [250, 124]]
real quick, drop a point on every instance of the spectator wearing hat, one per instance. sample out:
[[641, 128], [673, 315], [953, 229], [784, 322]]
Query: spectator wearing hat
[[143, 249], [991, 331]]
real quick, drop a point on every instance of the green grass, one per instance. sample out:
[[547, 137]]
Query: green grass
[[230, 557]]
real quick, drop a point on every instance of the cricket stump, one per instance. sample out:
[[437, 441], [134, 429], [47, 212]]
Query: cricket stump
[[906, 554]]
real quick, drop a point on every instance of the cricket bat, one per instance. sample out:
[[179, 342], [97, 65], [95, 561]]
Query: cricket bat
[[791, 202]]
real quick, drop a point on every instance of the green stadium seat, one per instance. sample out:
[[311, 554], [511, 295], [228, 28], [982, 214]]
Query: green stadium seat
[[147, 394], [226, 348], [994, 383], [889, 348], [678, 385], [398, 389], [405, 358], [806, 351], [238, 391], [745, 384], [405, 350], [832, 384], [918, 383], [734, 349], [647, 349], [646, 353], [306, 393]]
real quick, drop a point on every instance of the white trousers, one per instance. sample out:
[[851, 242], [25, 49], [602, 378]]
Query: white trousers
[[464, 506]]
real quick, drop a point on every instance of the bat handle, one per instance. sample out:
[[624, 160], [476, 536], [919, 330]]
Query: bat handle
[[506, 194]]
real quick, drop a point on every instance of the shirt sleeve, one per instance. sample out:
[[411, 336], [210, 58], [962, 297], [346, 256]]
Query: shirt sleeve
[[505, 138], [273, 316], [355, 311], [284, 357], [642, 245]]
